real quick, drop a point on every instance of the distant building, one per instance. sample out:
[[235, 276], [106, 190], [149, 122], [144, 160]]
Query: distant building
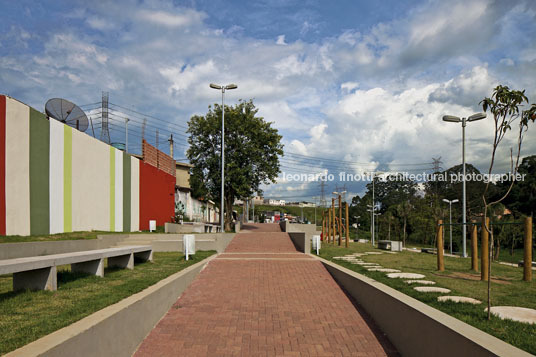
[[272, 202]]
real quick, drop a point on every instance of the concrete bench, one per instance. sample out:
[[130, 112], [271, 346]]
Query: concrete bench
[[392, 245], [40, 273]]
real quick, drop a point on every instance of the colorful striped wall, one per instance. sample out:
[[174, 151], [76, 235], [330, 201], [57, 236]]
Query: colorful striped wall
[[55, 179]]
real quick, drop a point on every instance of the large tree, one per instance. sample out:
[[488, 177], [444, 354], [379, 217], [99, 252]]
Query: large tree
[[252, 151]]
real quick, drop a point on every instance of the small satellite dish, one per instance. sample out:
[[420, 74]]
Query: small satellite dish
[[67, 112]]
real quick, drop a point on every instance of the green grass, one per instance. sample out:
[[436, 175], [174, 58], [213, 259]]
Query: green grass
[[67, 236], [513, 291], [29, 315]]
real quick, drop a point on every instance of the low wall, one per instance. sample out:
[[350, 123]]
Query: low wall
[[116, 330], [414, 328], [32, 249], [186, 228], [301, 241], [213, 241]]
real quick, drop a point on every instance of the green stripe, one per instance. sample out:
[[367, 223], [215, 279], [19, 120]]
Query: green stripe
[[112, 189], [39, 173], [126, 192], [67, 179]]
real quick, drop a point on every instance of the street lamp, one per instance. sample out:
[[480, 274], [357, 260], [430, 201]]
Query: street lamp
[[450, 219], [454, 119], [223, 89], [357, 228], [374, 175]]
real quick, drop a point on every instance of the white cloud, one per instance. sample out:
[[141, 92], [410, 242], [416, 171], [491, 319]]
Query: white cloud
[[186, 18], [281, 40]]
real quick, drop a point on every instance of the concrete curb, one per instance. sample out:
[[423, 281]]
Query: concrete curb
[[118, 329], [413, 327]]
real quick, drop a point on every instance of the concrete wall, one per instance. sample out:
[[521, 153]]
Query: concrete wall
[[55, 179], [32, 249], [116, 330], [301, 241], [413, 327]]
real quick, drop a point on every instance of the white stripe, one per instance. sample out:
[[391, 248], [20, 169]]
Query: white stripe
[[135, 194], [17, 168], [118, 190]]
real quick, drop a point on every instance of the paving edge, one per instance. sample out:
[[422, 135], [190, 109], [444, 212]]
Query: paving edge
[[118, 329], [414, 328]]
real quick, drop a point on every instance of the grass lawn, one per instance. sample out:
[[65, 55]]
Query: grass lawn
[[509, 289], [67, 236], [27, 316]]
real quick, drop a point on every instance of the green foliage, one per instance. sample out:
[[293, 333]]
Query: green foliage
[[252, 151]]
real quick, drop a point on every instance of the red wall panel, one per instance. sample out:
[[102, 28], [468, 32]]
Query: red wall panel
[[2, 165], [157, 196]]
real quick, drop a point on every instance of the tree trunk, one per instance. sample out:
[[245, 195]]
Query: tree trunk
[[228, 213], [404, 237]]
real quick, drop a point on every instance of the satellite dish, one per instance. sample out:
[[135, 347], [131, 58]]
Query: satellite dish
[[67, 112]]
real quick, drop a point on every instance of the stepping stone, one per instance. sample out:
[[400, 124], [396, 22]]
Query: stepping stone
[[384, 270], [423, 282], [339, 258], [431, 289], [405, 276], [367, 264], [520, 314], [373, 253], [459, 299]]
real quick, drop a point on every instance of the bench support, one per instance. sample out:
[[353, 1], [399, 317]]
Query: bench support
[[94, 267], [38, 279], [122, 261], [145, 256]]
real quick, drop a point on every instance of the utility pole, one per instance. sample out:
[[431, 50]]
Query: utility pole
[[171, 146], [126, 134]]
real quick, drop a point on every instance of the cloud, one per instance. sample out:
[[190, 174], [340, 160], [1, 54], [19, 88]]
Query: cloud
[[186, 18], [281, 40]]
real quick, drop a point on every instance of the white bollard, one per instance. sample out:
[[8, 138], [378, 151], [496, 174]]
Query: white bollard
[[316, 243], [188, 244], [152, 225]]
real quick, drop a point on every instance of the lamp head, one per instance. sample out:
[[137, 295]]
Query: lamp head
[[231, 86], [445, 200], [454, 201], [215, 86], [451, 118], [477, 116]]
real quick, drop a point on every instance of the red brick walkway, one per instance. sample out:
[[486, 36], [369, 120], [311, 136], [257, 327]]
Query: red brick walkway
[[264, 305]]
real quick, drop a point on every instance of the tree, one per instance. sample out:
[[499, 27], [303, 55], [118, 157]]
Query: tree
[[252, 151], [505, 105], [522, 196]]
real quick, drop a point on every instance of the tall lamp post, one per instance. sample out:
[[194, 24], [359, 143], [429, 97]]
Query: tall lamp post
[[454, 119], [223, 89], [374, 175], [450, 219]]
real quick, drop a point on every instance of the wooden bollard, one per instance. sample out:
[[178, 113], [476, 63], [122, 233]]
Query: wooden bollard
[[323, 224], [527, 259], [347, 230], [440, 262], [474, 247], [333, 220], [484, 255], [340, 221]]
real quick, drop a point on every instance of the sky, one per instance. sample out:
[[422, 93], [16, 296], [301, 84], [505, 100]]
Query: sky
[[352, 86]]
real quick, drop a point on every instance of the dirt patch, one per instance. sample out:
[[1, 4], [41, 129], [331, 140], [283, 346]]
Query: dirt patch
[[467, 276]]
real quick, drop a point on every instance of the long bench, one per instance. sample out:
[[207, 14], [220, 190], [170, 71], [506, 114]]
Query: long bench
[[40, 273]]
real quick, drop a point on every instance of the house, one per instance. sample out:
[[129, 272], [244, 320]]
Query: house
[[197, 210]]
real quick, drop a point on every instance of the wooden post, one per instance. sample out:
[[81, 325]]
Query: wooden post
[[323, 225], [347, 229], [474, 247], [440, 262], [527, 260], [484, 251], [340, 220], [333, 219]]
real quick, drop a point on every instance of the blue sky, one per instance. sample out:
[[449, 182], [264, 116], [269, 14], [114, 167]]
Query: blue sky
[[362, 82]]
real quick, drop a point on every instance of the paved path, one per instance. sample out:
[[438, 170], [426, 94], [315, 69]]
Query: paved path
[[263, 298]]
